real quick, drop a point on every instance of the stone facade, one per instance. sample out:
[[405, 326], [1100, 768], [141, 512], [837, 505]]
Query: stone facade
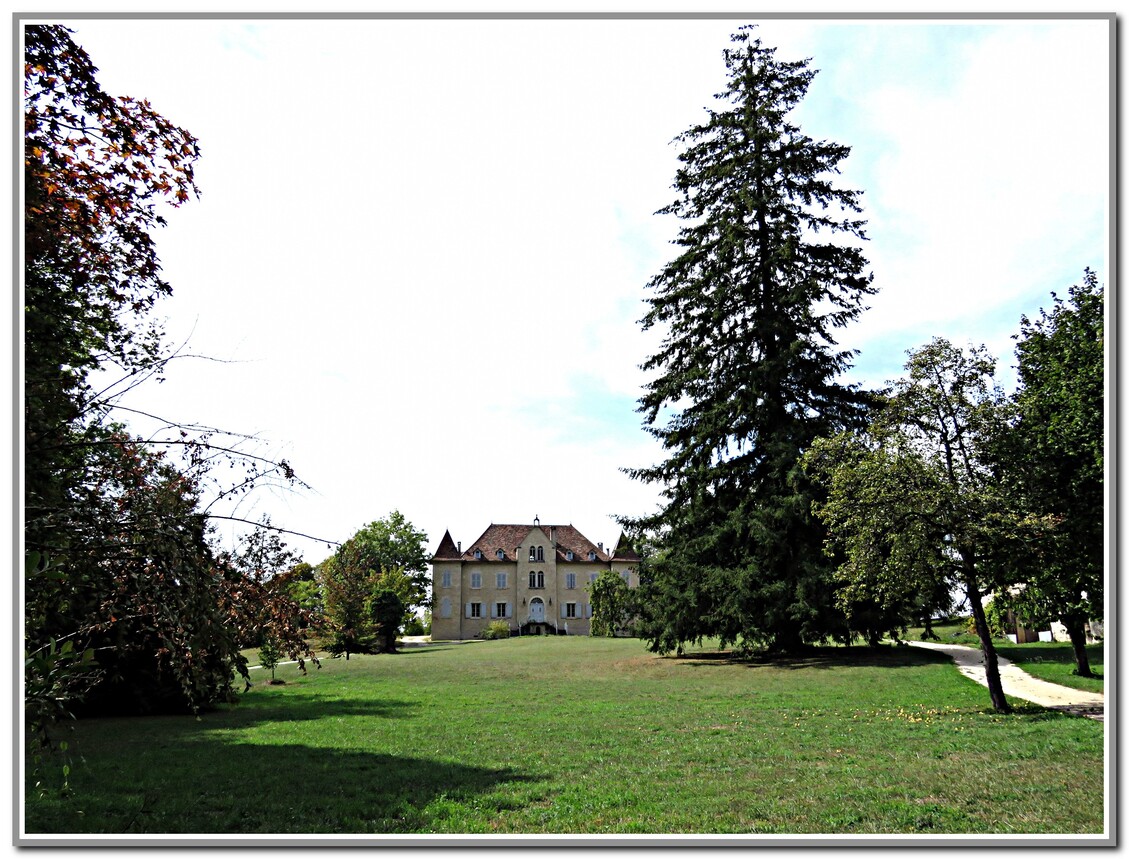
[[534, 577]]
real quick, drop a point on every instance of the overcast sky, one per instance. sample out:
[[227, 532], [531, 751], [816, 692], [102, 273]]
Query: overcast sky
[[423, 245]]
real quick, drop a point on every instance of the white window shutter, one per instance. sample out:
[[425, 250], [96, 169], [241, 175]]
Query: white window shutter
[[468, 609], [493, 611]]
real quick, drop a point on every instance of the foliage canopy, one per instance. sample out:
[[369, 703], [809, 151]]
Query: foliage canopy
[[1054, 456], [915, 506], [385, 559], [127, 604]]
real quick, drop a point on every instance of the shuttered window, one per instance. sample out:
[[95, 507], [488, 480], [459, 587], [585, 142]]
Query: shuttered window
[[570, 580], [502, 580], [476, 580]]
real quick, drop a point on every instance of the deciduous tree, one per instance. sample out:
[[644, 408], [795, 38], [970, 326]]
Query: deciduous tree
[[612, 605], [769, 268], [386, 610], [914, 505], [1053, 458], [116, 525], [393, 543], [387, 555], [345, 589]]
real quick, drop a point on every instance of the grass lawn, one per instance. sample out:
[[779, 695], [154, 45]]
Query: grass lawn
[[1048, 660], [564, 735], [1054, 661]]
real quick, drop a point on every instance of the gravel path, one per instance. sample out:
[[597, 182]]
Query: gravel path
[[1019, 684]]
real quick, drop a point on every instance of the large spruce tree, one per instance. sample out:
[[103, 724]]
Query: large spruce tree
[[769, 268]]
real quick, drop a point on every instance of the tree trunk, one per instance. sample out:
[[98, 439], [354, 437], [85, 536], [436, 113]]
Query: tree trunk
[[991, 663], [1075, 628], [928, 634]]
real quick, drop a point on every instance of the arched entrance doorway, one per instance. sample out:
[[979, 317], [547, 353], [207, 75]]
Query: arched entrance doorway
[[536, 610]]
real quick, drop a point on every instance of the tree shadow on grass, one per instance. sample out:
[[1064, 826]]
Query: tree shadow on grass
[[420, 649], [242, 788], [820, 658], [251, 710], [179, 775]]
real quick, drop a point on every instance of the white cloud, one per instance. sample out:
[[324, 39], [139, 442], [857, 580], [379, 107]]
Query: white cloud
[[427, 241], [992, 191]]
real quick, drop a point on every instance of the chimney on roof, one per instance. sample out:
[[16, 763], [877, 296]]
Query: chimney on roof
[[460, 545], [601, 545]]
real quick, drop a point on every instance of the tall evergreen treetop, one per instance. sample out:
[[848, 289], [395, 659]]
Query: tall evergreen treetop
[[768, 269]]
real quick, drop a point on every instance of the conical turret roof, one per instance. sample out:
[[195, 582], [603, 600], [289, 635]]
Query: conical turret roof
[[447, 550]]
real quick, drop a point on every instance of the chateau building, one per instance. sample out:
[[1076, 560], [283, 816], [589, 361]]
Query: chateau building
[[534, 577]]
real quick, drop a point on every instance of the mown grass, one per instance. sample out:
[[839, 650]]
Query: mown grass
[[1048, 660], [564, 735], [1054, 661]]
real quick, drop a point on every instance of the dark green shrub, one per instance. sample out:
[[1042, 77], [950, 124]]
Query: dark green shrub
[[496, 629]]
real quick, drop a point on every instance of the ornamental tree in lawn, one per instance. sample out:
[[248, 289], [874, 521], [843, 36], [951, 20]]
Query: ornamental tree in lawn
[[269, 655], [769, 268]]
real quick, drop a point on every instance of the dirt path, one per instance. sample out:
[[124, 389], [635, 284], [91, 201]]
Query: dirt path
[[1019, 684]]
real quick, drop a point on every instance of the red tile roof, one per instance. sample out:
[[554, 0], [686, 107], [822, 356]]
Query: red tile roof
[[509, 537], [570, 540], [447, 550], [504, 537]]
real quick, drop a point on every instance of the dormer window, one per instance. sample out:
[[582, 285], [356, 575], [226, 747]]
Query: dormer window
[[591, 556], [500, 554], [569, 556], [478, 554]]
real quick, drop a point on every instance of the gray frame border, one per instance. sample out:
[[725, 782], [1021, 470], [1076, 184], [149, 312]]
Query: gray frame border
[[577, 841]]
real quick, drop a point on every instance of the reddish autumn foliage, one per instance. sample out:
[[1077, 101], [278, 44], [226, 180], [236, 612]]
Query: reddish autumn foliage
[[128, 605]]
